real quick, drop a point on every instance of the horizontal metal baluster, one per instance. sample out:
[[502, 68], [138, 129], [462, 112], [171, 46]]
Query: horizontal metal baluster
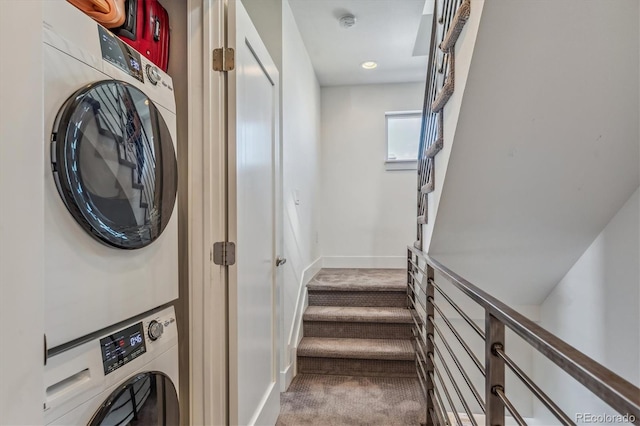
[[433, 416], [419, 327], [542, 397], [467, 409], [441, 15], [416, 277], [418, 268], [455, 359], [446, 392], [422, 290], [436, 408], [509, 406], [422, 373], [622, 395], [466, 317], [416, 294], [419, 302], [440, 404], [464, 344]]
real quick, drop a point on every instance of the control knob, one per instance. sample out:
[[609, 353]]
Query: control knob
[[155, 330], [153, 74]]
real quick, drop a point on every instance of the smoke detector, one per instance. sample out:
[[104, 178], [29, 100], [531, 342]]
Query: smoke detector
[[347, 21]]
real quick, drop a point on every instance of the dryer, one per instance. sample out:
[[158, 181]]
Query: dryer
[[127, 376], [111, 237]]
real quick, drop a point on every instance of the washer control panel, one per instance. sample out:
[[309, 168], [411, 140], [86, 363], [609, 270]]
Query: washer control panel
[[155, 330], [122, 347], [133, 341]]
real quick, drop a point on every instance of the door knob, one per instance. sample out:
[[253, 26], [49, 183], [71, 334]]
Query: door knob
[[280, 261]]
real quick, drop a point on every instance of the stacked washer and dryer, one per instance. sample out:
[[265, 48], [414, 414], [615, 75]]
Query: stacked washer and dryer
[[111, 237]]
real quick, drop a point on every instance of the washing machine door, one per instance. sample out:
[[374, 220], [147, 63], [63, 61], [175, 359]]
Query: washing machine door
[[146, 399], [114, 164]]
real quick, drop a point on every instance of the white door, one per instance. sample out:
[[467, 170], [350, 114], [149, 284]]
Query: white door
[[253, 140]]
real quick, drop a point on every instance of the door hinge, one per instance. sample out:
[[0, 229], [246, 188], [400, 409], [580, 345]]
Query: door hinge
[[224, 253], [224, 59]]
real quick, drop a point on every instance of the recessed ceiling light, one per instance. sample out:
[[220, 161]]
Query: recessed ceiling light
[[369, 65]]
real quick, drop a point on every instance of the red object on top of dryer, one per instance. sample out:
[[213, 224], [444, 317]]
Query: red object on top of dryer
[[147, 30]]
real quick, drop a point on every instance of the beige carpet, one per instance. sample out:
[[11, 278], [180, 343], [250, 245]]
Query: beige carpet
[[343, 400]]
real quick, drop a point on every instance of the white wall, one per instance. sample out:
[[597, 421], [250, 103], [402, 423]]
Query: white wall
[[21, 214], [546, 145], [596, 308], [368, 213], [301, 181]]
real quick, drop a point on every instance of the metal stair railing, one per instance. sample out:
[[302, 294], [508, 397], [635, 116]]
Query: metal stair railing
[[449, 17], [427, 300]]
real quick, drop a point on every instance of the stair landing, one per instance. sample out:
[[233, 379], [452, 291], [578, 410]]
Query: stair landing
[[359, 280]]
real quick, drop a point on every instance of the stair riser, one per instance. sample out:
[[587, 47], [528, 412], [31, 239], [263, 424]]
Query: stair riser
[[361, 330], [358, 298], [356, 367]]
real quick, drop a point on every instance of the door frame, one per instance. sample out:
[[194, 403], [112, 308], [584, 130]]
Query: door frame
[[208, 396], [209, 214]]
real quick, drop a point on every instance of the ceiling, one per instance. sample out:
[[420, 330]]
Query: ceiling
[[385, 32]]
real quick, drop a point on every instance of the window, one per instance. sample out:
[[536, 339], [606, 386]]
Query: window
[[403, 138]]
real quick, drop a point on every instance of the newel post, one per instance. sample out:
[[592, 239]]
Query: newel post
[[494, 367], [430, 351]]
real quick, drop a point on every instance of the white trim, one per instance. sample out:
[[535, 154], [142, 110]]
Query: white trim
[[267, 417], [383, 262], [388, 161], [287, 375], [295, 333], [206, 221], [391, 165], [411, 112]]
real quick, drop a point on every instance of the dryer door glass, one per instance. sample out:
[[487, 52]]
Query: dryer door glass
[[145, 399], [114, 164]]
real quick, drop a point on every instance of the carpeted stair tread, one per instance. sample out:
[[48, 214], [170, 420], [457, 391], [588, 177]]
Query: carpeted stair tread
[[358, 314], [378, 349], [359, 280]]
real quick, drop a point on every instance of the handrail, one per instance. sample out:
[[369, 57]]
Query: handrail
[[619, 393]]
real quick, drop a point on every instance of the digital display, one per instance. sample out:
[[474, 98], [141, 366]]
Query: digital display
[[122, 347], [116, 52]]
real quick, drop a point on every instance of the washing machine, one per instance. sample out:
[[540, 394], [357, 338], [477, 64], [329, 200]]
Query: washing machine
[[126, 376], [111, 237]]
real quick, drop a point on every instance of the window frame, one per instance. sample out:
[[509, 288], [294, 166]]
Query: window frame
[[392, 164]]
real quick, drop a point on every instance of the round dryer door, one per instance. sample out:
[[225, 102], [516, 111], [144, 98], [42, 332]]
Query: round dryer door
[[114, 164], [145, 399]]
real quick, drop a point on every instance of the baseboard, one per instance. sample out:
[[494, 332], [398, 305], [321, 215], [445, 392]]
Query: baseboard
[[269, 408], [286, 376], [309, 272], [383, 262], [295, 333]]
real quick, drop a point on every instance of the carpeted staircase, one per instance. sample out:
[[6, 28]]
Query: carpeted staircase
[[356, 362], [357, 324]]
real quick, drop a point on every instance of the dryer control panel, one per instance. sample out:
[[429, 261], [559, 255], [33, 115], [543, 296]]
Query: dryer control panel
[[120, 54]]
